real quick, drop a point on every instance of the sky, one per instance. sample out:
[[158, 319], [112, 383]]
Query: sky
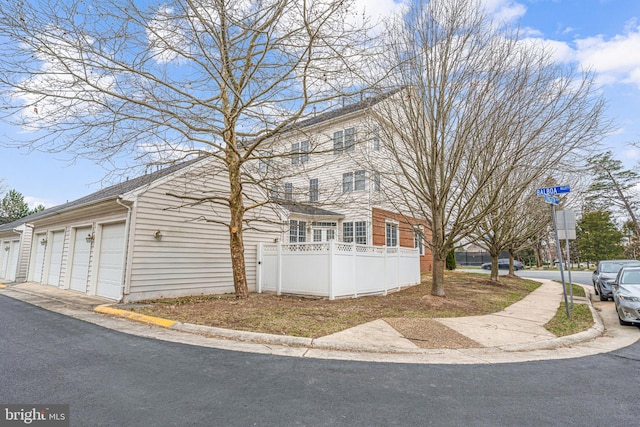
[[601, 35]]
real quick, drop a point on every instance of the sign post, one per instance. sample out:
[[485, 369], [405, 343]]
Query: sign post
[[549, 195]]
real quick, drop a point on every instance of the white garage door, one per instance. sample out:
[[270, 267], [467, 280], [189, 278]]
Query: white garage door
[[12, 267], [55, 257], [4, 258], [38, 261], [111, 259], [80, 260]]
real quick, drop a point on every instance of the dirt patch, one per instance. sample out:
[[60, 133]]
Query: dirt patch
[[429, 333]]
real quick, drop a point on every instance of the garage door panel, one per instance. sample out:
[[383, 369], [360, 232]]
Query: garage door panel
[[38, 263], [80, 260], [111, 261], [55, 258]]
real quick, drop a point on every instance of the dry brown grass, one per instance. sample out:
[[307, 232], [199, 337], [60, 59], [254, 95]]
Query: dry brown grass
[[467, 294]]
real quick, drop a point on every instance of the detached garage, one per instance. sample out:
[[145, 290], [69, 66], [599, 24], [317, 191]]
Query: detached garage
[[141, 239]]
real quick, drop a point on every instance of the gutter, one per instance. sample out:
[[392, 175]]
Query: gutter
[[124, 287]]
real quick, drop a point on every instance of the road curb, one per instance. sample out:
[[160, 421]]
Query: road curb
[[130, 315]]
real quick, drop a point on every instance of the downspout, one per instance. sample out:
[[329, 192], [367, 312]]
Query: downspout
[[26, 273], [124, 287]]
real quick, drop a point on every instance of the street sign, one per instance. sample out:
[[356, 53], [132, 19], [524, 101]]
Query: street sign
[[551, 199], [551, 191]]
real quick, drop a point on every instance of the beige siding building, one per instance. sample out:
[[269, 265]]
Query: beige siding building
[[139, 239]]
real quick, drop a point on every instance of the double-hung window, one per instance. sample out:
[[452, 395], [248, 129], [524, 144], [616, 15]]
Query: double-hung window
[[299, 152], [391, 229], [347, 182], [353, 181], [359, 181], [376, 138], [265, 161], [418, 240], [376, 181], [313, 190], [297, 231], [354, 231], [288, 191], [344, 140]]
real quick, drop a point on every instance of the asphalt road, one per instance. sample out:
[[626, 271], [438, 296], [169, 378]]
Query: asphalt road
[[113, 379]]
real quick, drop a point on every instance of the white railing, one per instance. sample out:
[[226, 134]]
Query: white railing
[[335, 269]]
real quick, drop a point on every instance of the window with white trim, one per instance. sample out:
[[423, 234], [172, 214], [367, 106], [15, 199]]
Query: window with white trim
[[353, 181], [391, 233], [288, 191], [297, 231], [354, 230], [314, 190], [376, 181], [264, 164], [299, 152], [376, 138], [418, 240], [344, 140]]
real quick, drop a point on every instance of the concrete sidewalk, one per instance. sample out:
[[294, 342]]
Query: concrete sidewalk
[[512, 335]]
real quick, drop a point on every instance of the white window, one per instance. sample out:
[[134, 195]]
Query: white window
[[391, 233], [297, 231], [359, 181], [265, 161], [418, 240], [354, 230], [347, 182], [353, 181], [299, 152], [274, 192], [376, 138], [288, 191], [376, 181], [313, 190], [344, 140]]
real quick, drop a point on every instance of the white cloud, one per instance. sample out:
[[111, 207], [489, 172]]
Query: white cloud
[[35, 201], [506, 11], [616, 60]]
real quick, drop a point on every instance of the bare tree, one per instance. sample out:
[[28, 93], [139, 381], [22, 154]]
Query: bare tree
[[114, 79], [481, 103]]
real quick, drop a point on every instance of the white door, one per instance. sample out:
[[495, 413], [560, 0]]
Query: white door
[[4, 258], [55, 257], [12, 266], [38, 262], [111, 260], [80, 260]]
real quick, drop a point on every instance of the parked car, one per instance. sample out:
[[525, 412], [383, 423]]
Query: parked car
[[605, 273], [626, 295], [503, 263]]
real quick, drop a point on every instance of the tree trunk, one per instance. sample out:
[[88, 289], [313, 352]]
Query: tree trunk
[[437, 276], [236, 208], [511, 258], [494, 265]]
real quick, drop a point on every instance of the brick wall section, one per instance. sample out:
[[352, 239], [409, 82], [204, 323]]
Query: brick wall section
[[405, 233]]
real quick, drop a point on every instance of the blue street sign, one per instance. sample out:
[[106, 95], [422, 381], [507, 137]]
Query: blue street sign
[[551, 191], [551, 199]]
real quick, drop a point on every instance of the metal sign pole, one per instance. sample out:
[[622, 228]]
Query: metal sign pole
[[564, 285], [566, 237]]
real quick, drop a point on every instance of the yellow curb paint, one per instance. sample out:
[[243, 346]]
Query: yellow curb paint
[[158, 321], [3, 286]]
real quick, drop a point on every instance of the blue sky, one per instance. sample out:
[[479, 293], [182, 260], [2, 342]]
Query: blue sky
[[602, 35]]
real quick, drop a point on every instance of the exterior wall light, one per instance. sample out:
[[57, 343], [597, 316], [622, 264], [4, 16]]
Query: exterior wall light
[[90, 238], [43, 241], [157, 235], [6, 248]]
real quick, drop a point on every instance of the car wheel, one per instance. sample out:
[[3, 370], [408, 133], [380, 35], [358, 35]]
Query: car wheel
[[624, 323], [603, 297], [595, 289]]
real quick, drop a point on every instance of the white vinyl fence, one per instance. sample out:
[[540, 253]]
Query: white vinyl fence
[[333, 269]]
